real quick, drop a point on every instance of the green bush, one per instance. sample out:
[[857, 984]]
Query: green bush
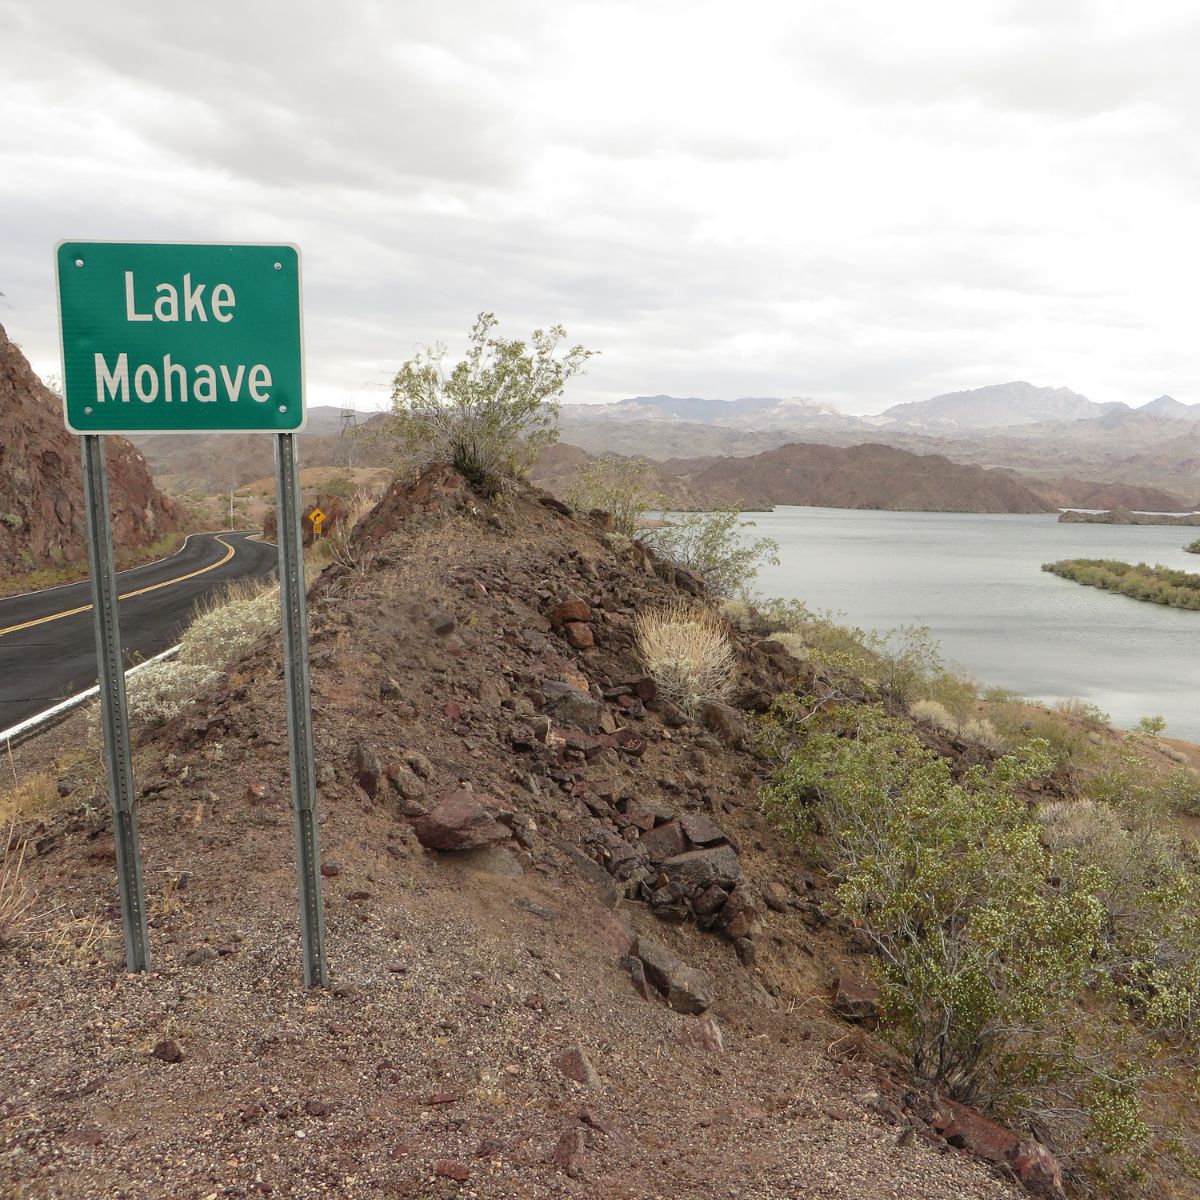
[[949, 880], [622, 487], [709, 543], [493, 412]]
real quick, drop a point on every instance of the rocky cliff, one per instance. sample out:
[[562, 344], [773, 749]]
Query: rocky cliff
[[41, 488]]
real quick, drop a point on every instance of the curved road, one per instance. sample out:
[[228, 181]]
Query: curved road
[[48, 639]]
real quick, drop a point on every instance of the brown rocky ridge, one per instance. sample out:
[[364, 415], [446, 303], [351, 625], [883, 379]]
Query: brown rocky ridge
[[568, 957], [41, 489]]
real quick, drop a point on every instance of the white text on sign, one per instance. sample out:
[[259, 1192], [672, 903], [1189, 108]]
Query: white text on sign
[[166, 307]]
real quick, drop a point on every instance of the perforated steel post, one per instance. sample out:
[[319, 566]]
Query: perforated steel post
[[113, 714], [299, 710]]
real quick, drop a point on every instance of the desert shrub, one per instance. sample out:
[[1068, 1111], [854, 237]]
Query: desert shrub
[[493, 412], [1092, 715], [1151, 931], [1151, 726], [1000, 695], [622, 487], [1018, 723], [225, 631], [978, 955], [162, 690], [930, 712], [711, 545], [688, 653], [226, 626], [340, 547]]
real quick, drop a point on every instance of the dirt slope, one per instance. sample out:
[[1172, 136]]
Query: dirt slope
[[547, 1004], [41, 491]]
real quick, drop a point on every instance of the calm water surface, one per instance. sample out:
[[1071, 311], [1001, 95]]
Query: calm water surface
[[975, 580]]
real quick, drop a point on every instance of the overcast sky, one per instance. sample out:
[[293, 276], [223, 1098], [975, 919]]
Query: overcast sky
[[858, 201]]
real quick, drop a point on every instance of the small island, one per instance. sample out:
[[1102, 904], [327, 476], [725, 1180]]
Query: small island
[[1125, 516], [1156, 585]]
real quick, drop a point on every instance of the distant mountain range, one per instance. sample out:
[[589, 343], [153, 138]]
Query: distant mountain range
[[997, 406], [1046, 432]]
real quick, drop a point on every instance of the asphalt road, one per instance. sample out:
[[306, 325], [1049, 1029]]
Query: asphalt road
[[48, 639]]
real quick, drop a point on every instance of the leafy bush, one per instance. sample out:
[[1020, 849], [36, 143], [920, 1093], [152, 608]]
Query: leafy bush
[[709, 543], [986, 942], [1151, 726], [493, 412], [688, 653], [949, 880], [622, 487]]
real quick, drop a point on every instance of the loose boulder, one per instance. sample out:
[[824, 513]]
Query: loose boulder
[[460, 821]]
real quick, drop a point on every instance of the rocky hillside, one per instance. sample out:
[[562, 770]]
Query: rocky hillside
[[869, 476], [569, 958], [41, 490]]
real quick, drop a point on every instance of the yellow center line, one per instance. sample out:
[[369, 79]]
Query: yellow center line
[[71, 612]]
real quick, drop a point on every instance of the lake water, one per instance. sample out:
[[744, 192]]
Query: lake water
[[975, 581]]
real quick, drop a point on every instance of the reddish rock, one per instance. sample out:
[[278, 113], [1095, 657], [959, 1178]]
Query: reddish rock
[[738, 916], [856, 1001], [568, 1154], [575, 1065], [663, 842], [42, 517], [645, 689], [1039, 1171], [776, 896], [447, 1168], [460, 821], [572, 610], [578, 635]]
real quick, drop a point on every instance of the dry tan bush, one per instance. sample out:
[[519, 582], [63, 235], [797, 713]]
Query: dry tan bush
[[340, 547], [983, 732], [688, 653], [1083, 825], [739, 614], [930, 712]]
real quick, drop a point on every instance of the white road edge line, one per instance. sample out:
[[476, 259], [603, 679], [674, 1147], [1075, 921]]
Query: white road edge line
[[48, 716]]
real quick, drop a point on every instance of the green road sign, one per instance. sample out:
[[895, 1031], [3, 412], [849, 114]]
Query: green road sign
[[167, 337]]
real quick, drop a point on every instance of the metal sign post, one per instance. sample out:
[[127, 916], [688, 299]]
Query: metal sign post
[[113, 715], [299, 710]]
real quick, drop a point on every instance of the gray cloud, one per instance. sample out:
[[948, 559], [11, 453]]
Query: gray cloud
[[863, 204]]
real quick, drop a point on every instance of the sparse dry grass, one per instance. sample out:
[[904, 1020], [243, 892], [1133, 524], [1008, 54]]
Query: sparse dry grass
[[16, 897], [688, 653], [27, 798]]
